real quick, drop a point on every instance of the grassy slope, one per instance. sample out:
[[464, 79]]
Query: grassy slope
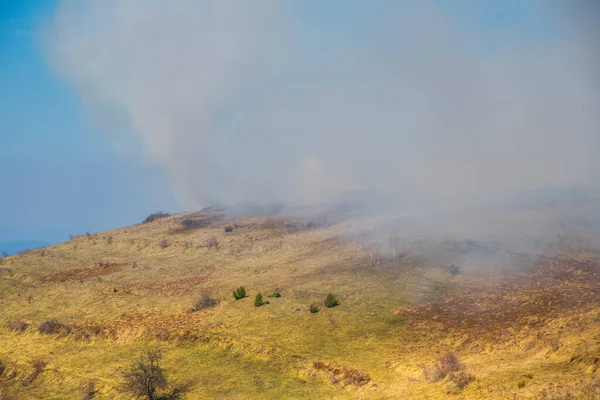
[[135, 294]]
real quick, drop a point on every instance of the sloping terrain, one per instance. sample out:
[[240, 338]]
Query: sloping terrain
[[412, 327]]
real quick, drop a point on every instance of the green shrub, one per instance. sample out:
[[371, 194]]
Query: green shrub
[[228, 228], [274, 294], [529, 376], [521, 384], [258, 300], [239, 293], [314, 308], [331, 301]]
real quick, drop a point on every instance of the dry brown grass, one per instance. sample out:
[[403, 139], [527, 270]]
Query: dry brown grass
[[542, 320]]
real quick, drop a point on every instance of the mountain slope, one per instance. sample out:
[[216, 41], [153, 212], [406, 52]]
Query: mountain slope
[[118, 293]]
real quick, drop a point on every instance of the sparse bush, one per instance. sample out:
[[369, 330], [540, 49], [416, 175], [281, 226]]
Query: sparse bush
[[163, 244], [461, 379], [155, 216], [188, 223], [109, 240], [239, 293], [4, 393], [205, 301], [212, 242], [89, 391], [521, 384], [228, 228], [16, 326], [446, 364], [38, 368], [331, 301], [53, 327], [314, 308], [146, 379], [454, 270], [4, 254], [258, 300], [275, 293], [529, 376]]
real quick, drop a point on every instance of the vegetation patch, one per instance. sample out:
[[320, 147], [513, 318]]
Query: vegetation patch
[[204, 302], [54, 327], [342, 375], [38, 367], [146, 379], [239, 293], [331, 301], [258, 300], [102, 268], [16, 325], [155, 216]]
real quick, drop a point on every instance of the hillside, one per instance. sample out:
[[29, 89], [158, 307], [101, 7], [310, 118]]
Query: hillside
[[527, 329]]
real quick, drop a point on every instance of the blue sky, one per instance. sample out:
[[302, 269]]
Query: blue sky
[[60, 175]]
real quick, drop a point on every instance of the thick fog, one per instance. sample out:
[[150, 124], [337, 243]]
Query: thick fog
[[303, 102]]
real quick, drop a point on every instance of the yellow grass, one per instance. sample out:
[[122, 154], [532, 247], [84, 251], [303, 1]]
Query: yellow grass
[[122, 293]]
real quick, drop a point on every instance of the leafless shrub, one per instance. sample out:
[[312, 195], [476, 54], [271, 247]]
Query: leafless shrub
[[4, 392], [4, 254], [38, 367], [15, 325], [29, 299], [53, 327], [212, 242], [205, 301], [109, 239], [445, 365], [145, 378], [88, 235], [188, 223], [163, 244], [461, 379], [89, 391], [155, 216]]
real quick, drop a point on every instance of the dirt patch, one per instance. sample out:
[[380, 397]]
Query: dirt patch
[[170, 288], [100, 269]]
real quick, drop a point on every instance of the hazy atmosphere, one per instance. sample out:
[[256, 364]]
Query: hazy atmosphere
[[180, 106], [300, 199]]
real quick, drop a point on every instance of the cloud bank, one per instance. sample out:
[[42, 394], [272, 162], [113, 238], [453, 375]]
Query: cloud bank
[[287, 101]]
